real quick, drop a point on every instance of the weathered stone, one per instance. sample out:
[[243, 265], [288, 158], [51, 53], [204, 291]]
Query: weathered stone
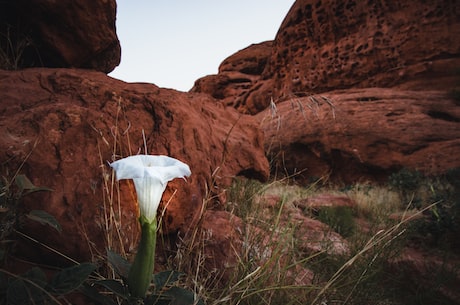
[[221, 234], [363, 133], [45, 33], [67, 124], [431, 272], [317, 202], [333, 44], [237, 74], [327, 45], [313, 235]]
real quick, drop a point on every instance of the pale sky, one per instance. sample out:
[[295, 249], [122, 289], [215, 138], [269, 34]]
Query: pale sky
[[172, 43]]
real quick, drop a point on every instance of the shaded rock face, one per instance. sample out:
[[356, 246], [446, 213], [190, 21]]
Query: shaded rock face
[[74, 122], [422, 267], [329, 45], [45, 33], [237, 74], [340, 44], [363, 133]]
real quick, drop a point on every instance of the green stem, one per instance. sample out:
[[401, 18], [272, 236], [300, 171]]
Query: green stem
[[140, 274]]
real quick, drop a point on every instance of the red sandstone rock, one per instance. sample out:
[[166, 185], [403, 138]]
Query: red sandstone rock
[[363, 133], [237, 74], [61, 34], [313, 235], [73, 122], [221, 237], [324, 200], [430, 271], [326, 45], [334, 44]]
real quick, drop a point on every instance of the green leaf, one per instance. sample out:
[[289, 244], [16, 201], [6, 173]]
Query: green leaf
[[166, 278], [95, 295], [3, 283], [17, 293], [37, 276], [155, 299], [114, 286], [28, 289], [182, 296], [24, 184], [118, 263], [44, 218], [70, 278]]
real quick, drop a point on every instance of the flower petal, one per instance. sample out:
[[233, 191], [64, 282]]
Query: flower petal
[[149, 192], [150, 175], [161, 167], [129, 168]]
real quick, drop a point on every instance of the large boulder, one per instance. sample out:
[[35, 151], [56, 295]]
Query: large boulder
[[45, 33], [61, 128], [363, 133]]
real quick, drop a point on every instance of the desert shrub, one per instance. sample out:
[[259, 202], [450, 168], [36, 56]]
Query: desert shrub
[[407, 182], [442, 224], [339, 218], [442, 221]]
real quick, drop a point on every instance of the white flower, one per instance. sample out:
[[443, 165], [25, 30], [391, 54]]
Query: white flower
[[150, 175]]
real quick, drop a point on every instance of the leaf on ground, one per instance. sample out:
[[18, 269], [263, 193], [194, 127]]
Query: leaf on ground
[[70, 278], [182, 296], [28, 290], [166, 278], [45, 218], [36, 275], [24, 184], [115, 287], [95, 295], [118, 263]]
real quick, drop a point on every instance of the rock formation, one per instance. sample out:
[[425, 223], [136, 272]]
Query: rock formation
[[363, 133], [57, 34], [323, 46], [237, 74], [328, 45], [67, 124]]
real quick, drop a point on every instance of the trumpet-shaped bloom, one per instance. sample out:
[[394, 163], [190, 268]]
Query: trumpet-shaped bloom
[[150, 175]]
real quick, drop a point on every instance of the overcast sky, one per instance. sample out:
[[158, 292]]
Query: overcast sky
[[172, 43]]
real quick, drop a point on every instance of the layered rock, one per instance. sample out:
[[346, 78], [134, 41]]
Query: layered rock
[[328, 45], [363, 133], [237, 74], [63, 126], [44, 33]]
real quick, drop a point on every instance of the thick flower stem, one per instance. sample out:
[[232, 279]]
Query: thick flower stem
[[140, 274]]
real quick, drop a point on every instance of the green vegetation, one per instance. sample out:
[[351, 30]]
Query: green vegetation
[[340, 219]]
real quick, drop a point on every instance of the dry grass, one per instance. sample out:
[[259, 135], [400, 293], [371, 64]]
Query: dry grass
[[271, 263]]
